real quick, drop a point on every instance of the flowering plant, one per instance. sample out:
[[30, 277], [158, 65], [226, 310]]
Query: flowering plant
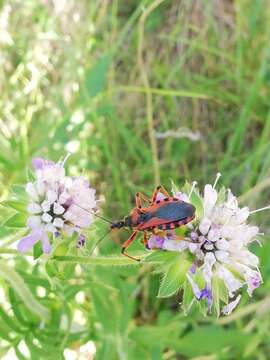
[[215, 262], [59, 206], [208, 259]]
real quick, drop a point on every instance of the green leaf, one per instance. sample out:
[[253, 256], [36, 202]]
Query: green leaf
[[17, 220], [96, 76], [174, 277], [157, 256], [221, 195], [10, 321], [211, 339], [15, 204], [175, 188], [4, 350], [186, 188], [18, 190], [17, 283], [188, 296], [17, 308], [61, 248], [51, 268], [37, 250], [220, 293], [216, 295], [196, 200]]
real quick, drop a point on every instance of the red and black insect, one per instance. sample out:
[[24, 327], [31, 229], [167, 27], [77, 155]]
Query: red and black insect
[[165, 214]]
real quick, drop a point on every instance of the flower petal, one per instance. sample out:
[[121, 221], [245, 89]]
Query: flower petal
[[57, 222], [46, 246], [156, 242], [33, 222], [78, 216], [231, 306], [46, 217], [209, 199], [31, 191], [209, 262], [205, 225], [58, 209], [27, 242], [46, 205], [181, 196], [230, 281], [173, 245], [195, 287], [38, 163], [34, 208], [160, 196]]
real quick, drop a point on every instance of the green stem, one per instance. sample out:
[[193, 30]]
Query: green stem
[[161, 92], [8, 251], [101, 261], [145, 80]]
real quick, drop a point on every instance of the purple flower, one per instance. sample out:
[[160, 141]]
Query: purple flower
[[193, 269], [38, 163], [58, 205], [37, 233], [194, 236], [81, 241], [155, 242], [206, 293]]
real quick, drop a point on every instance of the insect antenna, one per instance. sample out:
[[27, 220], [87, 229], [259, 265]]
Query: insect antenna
[[99, 241], [93, 213], [102, 218]]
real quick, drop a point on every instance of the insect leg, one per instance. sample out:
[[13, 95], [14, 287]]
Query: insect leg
[[145, 240], [161, 189], [139, 197], [127, 244]]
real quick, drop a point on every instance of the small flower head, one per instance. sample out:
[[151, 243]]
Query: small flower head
[[217, 242], [58, 204]]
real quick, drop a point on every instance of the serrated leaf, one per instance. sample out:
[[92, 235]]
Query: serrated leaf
[[158, 256], [17, 220], [174, 277]]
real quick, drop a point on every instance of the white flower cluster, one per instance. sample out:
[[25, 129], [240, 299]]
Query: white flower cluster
[[58, 204], [218, 239]]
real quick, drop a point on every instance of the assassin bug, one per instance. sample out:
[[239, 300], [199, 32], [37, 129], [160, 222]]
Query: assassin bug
[[164, 214]]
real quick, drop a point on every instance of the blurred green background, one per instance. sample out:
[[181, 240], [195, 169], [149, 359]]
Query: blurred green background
[[141, 92]]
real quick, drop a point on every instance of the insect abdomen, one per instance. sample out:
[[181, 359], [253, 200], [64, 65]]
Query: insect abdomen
[[169, 216], [175, 211], [175, 224]]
